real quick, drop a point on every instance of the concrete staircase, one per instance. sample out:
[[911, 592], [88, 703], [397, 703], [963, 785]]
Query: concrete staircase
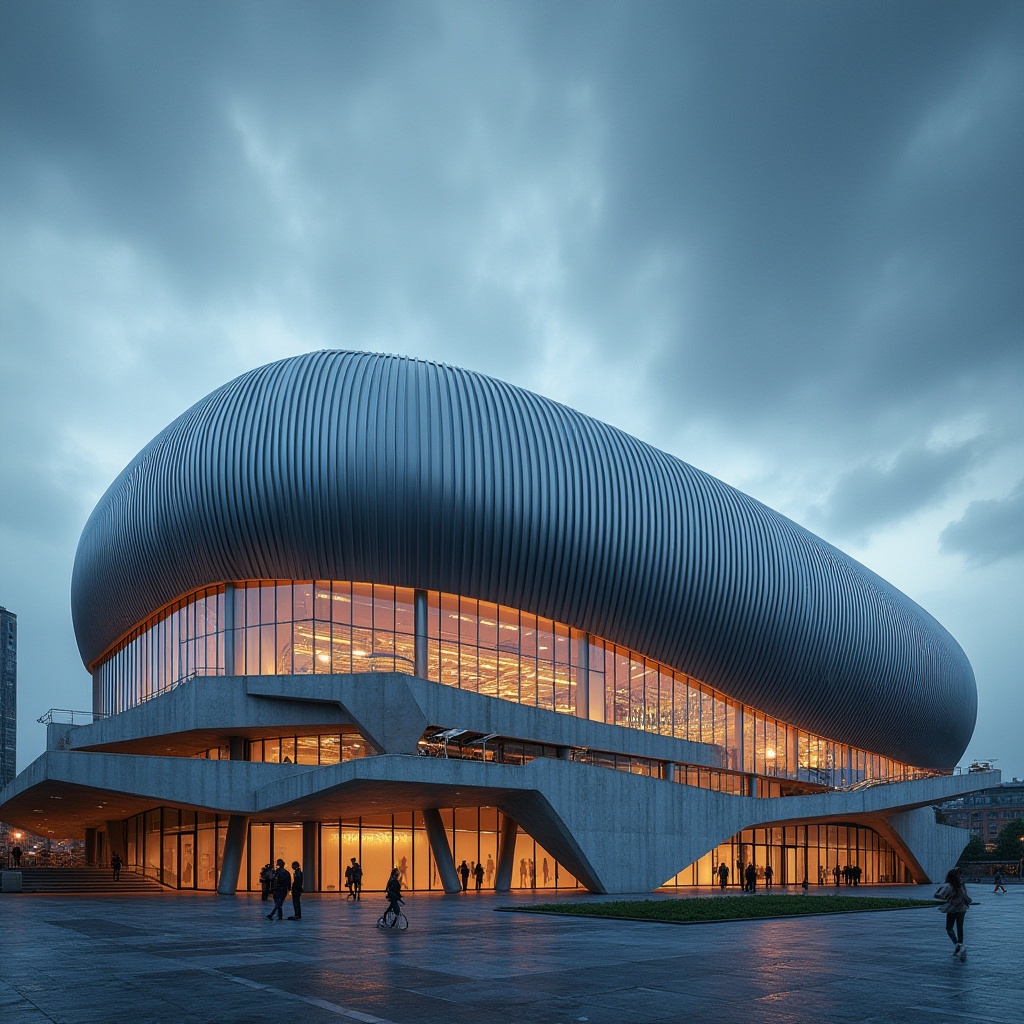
[[87, 880]]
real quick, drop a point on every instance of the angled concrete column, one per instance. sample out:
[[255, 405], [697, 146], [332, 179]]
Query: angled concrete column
[[438, 839], [928, 849], [309, 862], [506, 854], [238, 826]]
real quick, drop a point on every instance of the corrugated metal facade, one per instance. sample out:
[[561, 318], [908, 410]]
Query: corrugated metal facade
[[355, 466]]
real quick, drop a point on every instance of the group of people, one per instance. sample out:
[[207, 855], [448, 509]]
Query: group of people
[[751, 874], [477, 871], [354, 880], [748, 875], [277, 883], [849, 873]]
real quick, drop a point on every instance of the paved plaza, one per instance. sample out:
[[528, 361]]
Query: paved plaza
[[192, 958]]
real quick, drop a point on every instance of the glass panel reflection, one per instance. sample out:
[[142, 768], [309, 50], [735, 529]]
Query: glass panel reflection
[[324, 627]]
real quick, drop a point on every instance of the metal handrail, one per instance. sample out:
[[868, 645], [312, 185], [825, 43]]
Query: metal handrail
[[48, 717]]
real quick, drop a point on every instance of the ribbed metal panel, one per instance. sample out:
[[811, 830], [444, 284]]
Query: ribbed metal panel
[[355, 466]]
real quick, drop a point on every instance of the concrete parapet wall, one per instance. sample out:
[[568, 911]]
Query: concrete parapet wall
[[390, 709], [617, 832]]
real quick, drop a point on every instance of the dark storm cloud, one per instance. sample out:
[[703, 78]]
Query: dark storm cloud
[[781, 240], [871, 496], [757, 177], [835, 181], [989, 530]]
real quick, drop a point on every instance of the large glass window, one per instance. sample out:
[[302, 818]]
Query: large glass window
[[384, 841], [318, 626]]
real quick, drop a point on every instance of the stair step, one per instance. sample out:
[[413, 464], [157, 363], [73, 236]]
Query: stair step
[[85, 879]]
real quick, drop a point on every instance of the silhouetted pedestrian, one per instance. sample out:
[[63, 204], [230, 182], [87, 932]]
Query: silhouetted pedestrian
[[751, 876], [393, 893], [279, 887], [296, 914]]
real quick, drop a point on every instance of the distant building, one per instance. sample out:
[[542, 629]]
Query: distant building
[[8, 695], [986, 811]]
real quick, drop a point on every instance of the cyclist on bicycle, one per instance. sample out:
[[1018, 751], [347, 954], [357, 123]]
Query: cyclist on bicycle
[[393, 892]]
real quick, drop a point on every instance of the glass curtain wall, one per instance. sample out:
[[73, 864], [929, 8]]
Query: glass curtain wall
[[324, 627], [182, 850]]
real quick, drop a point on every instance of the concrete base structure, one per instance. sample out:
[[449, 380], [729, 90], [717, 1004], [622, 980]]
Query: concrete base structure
[[614, 831]]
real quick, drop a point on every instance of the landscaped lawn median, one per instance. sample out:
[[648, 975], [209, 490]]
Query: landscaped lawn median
[[699, 910]]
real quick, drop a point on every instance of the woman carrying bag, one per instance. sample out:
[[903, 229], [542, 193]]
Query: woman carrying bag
[[955, 902]]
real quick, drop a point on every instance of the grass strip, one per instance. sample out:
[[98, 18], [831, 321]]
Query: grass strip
[[700, 910]]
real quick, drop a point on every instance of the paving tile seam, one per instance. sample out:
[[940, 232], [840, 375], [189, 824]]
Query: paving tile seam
[[21, 997], [323, 1004]]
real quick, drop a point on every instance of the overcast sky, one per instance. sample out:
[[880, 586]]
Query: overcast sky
[[783, 241]]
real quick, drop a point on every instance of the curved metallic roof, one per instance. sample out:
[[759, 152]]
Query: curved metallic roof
[[356, 466]]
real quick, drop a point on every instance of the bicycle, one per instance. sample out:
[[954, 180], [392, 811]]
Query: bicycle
[[392, 919]]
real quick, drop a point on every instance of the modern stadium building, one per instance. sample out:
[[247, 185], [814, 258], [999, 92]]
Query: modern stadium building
[[355, 605]]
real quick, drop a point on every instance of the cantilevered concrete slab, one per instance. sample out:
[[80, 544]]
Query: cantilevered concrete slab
[[615, 831]]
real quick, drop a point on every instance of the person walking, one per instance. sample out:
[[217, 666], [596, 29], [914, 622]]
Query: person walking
[[16, 854], [357, 879], [279, 887], [296, 914], [769, 874], [723, 876], [393, 893], [751, 876], [998, 879], [478, 874], [955, 902], [115, 865], [464, 871]]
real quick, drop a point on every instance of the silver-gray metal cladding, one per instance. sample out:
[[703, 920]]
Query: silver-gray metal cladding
[[356, 466]]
